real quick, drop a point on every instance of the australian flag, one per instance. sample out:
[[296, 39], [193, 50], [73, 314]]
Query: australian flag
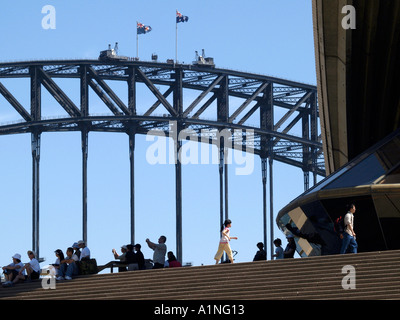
[[142, 29], [180, 17]]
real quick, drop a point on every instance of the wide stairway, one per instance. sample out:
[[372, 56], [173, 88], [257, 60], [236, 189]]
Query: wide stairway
[[376, 276]]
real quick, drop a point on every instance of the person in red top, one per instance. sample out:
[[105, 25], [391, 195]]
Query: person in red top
[[172, 262]]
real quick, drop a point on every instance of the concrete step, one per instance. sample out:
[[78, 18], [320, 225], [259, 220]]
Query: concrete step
[[377, 277], [305, 278]]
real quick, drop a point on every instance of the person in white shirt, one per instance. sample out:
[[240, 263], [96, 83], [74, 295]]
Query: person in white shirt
[[224, 242], [85, 254], [32, 269], [68, 266], [349, 243], [160, 250], [279, 250], [56, 265], [12, 270]]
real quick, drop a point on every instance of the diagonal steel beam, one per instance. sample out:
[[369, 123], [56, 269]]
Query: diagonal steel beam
[[15, 103], [93, 74], [59, 95], [201, 96], [292, 110], [289, 126], [247, 102], [156, 92], [104, 98], [158, 102], [250, 113], [286, 95], [205, 106]]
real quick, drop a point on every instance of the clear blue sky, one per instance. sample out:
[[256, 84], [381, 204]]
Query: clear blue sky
[[260, 36]]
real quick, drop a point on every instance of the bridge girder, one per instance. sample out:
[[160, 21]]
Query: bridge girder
[[279, 106], [296, 100]]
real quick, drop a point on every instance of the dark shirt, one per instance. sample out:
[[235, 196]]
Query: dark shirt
[[260, 255], [290, 250], [78, 253], [140, 260], [131, 257]]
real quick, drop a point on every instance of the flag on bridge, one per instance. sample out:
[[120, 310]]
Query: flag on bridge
[[180, 17], [142, 29]]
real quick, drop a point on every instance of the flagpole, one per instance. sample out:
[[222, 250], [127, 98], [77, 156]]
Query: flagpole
[[176, 39], [137, 41]]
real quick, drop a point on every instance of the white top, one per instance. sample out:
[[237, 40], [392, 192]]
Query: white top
[[349, 220], [73, 257], [225, 238], [20, 265], [54, 270], [279, 253], [35, 265], [159, 253], [85, 253]]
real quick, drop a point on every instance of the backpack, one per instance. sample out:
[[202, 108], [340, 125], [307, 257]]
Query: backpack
[[338, 225], [88, 266]]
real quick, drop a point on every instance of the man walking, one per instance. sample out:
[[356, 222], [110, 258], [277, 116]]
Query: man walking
[[349, 243]]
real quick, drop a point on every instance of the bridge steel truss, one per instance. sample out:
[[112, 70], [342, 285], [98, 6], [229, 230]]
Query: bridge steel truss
[[260, 96]]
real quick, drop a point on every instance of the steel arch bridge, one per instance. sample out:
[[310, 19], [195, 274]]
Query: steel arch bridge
[[231, 100]]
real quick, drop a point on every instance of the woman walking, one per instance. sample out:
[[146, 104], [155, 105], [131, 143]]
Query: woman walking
[[224, 242]]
